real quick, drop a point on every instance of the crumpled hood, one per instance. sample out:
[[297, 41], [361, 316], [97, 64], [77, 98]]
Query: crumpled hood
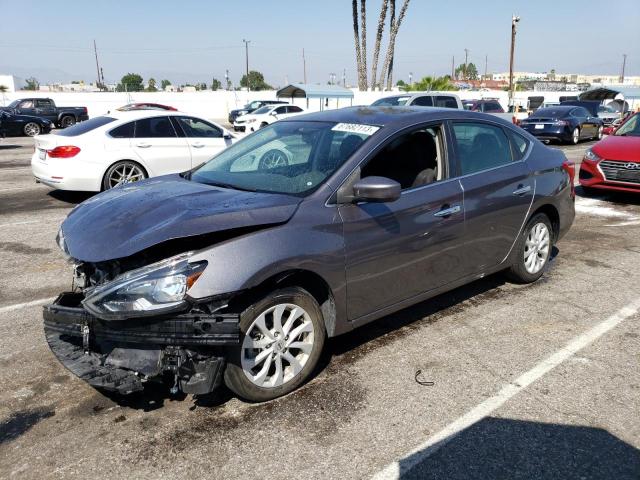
[[126, 220]]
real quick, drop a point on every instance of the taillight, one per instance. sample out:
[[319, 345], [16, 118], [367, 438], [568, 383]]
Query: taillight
[[561, 122], [570, 167], [66, 151]]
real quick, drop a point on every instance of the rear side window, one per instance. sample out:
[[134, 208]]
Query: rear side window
[[156, 127], [493, 107], [519, 144], [281, 110], [84, 127], [123, 131], [480, 146], [580, 112], [425, 101], [444, 101]]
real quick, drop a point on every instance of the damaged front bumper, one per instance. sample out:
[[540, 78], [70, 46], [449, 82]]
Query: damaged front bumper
[[121, 355]]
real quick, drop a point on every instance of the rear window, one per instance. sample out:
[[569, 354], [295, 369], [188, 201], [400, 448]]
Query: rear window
[[391, 101], [84, 127], [446, 102]]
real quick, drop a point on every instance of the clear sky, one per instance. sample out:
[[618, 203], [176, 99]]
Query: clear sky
[[189, 41]]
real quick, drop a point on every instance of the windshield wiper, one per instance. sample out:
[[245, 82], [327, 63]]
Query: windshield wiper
[[228, 185]]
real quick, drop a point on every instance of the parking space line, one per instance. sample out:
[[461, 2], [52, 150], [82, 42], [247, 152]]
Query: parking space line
[[448, 433], [18, 306]]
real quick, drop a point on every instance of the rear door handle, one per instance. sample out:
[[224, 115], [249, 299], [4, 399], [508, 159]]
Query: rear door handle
[[448, 211], [522, 190], [143, 145], [197, 145]]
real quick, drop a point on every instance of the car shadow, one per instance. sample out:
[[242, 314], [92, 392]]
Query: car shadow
[[10, 147], [73, 198], [619, 198], [509, 448]]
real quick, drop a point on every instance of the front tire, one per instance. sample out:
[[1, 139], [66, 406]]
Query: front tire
[[31, 129], [120, 173], [281, 340], [533, 250]]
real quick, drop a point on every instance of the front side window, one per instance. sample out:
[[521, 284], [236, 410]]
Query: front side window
[[263, 110], [156, 127], [630, 128], [294, 109], [27, 104], [414, 159], [480, 146], [196, 128], [284, 157], [281, 110]]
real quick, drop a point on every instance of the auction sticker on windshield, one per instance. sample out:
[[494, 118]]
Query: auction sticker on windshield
[[355, 128]]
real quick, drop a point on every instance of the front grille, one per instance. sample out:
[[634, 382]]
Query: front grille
[[617, 171]]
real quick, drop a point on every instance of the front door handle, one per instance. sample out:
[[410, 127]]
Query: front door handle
[[197, 145], [143, 145], [447, 211], [522, 190]]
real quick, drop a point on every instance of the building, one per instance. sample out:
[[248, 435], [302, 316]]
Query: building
[[12, 83]]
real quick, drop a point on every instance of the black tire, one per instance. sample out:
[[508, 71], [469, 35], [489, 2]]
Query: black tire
[[588, 191], [67, 121], [31, 129], [107, 178], [235, 377], [575, 139], [518, 271]]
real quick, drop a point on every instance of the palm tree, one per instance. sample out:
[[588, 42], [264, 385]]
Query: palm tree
[[431, 83], [376, 50], [360, 42], [394, 26]]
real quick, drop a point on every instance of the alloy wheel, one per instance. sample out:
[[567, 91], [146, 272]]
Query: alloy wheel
[[125, 173], [273, 159], [31, 129], [68, 121], [600, 133], [576, 136], [277, 345], [536, 248]]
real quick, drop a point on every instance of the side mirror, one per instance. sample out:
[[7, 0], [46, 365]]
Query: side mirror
[[273, 113], [227, 136], [376, 189]]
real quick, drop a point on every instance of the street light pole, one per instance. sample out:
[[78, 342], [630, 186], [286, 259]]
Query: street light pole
[[514, 20], [246, 54]]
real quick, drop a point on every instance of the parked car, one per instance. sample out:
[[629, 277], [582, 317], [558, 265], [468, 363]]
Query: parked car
[[61, 117], [614, 162], [146, 106], [239, 275], [595, 108], [125, 147], [265, 116], [485, 105], [12, 124], [250, 107], [564, 123], [610, 129], [430, 99]]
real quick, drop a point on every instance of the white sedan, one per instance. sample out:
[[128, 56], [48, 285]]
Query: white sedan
[[124, 147], [265, 116]]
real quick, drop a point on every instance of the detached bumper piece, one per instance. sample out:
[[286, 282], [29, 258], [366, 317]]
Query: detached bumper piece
[[122, 355]]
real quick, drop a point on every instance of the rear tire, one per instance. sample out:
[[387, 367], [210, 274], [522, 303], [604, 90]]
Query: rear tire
[[599, 134], [122, 172], [276, 353], [575, 136], [67, 121], [263, 124], [532, 250]]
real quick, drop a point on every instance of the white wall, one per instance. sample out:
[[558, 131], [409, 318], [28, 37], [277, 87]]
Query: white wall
[[216, 105]]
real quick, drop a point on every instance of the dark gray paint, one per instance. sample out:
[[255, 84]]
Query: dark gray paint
[[374, 257]]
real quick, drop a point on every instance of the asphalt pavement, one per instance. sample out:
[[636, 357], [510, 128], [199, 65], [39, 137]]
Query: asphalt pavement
[[539, 381]]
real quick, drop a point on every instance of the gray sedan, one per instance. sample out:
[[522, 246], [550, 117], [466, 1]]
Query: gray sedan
[[239, 270]]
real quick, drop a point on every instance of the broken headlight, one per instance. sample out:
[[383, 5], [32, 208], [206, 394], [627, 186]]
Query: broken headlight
[[60, 240], [152, 290]]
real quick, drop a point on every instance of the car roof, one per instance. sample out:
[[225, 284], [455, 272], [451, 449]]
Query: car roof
[[391, 116], [138, 114]]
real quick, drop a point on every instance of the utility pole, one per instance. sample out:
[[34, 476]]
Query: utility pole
[[410, 78], [466, 57], [486, 61], [95, 50], [304, 66], [246, 55], [102, 78], [226, 79], [624, 63], [514, 20], [344, 77], [453, 67]]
